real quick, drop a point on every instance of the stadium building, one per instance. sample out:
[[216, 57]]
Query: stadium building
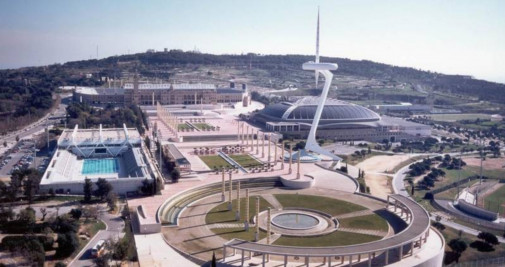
[[340, 121], [114, 154], [149, 94]]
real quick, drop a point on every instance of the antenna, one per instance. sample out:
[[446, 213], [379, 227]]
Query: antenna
[[317, 47]]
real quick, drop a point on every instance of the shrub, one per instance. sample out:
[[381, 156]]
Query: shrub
[[488, 238], [481, 246], [67, 244]]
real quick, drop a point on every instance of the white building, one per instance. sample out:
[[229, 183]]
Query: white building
[[114, 154]]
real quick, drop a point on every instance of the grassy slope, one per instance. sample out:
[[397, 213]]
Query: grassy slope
[[369, 222], [324, 204], [245, 160], [336, 238], [220, 213], [215, 161]]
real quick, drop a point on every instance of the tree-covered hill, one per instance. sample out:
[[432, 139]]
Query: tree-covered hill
[[25, 93]]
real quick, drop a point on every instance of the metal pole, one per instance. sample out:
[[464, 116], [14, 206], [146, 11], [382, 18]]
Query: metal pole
[[223, 198], [237, 214], [275, 153], [230, 187], [263, 145], [247, 135], [298, 168], [238, 131], [269, 214], [252, 139], [257, 231], [290, 157], [282, 156], [257, 142], [246, 220], [269, 137]]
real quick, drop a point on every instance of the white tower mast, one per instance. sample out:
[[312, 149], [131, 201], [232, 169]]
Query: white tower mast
[[317, 47]]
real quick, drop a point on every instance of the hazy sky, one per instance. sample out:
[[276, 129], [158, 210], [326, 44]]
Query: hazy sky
[[454, 37]]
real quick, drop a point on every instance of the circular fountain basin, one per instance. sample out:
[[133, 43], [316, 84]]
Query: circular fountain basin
[[295, 221]]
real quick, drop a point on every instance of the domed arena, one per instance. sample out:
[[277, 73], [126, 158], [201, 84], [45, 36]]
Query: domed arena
[[340, 120]]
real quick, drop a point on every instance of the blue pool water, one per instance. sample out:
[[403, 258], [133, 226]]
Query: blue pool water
[[100, 166]]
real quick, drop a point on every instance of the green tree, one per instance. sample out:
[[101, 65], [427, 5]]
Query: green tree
[[76, 213], [31, 184], [175, 174], [27, 216], [147, 187], [458, 246], [67, 244], [111, 200], [488, 238], [88, 190], [103, 188]]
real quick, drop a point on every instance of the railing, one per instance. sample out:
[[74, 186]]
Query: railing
[[500, 261]]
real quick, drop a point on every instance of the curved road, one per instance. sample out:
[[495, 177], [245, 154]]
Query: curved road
[[399, 188], [114, 229]]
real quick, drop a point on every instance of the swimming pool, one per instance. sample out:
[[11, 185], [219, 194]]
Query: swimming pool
[[100, 166]]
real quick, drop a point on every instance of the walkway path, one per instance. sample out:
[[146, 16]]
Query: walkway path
[[375, 167], [273, 201], [226, 225], [363, 231], [354, 214]]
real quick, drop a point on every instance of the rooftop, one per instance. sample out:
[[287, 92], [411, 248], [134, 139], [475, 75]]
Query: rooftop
[[175, 86], [109, 135]]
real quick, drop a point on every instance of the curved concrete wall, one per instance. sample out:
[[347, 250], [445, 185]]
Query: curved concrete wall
[[477, 211], [298, 184]]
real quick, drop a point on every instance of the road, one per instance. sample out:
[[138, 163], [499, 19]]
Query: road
[[114, 229], [37, 126], [399, 188]]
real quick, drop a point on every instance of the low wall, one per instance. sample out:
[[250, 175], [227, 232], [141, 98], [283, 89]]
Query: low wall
[[477, 211], [298, 184], [120, 186], [147, 225]]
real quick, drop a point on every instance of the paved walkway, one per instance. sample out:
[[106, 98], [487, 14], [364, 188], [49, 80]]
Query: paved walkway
[[273, 201], [226, 225], [354, 214], [363, 231]]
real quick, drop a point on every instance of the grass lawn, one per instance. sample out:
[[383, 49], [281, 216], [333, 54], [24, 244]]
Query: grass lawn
[[325, 204], [336, 238], [230, 233], [91, 227], [457, 117], [183, 126], [369, 222], [496, 200], [215, 161], [202, 125], [220, 213], [245, 160], [452, 176], [471, 254]]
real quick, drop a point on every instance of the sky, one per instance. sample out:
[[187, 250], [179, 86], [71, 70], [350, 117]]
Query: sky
[[451, 36]]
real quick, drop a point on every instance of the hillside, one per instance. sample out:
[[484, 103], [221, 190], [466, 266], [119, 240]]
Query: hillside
[[26, 93]]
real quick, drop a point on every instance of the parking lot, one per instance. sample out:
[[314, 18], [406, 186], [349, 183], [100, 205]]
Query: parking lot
[[22, 156]]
